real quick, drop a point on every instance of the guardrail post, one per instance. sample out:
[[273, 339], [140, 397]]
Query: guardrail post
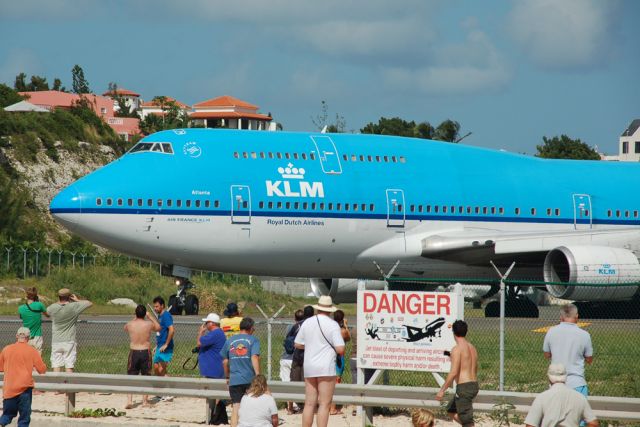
[[70, 404], [211, 403]]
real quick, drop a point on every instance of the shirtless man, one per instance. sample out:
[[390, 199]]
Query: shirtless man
[[464, 371], [140, 347]]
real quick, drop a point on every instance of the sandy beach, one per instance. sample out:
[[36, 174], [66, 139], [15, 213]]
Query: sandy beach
[[186, 412]]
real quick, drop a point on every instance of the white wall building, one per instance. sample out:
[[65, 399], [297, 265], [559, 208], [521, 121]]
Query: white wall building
[[131, 99], [152, 107], [629, 146], [229, 112]]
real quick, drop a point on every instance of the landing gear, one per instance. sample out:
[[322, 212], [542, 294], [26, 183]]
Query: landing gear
[[609, 310], [181, 301], [515, 305]]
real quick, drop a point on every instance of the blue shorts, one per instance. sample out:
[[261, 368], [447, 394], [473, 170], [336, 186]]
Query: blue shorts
[[163, 357]]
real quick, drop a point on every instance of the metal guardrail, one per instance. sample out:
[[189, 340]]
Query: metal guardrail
[[615, 408]]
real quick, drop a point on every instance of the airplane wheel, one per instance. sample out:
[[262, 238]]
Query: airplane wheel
[[192, 306], [521, 307], [492, 309], [174, 306]]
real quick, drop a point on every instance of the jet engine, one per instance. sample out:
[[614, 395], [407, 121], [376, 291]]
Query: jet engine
[[566, 267], [342, 290]]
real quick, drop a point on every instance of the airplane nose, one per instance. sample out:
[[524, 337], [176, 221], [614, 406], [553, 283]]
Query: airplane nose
[[66, 208]]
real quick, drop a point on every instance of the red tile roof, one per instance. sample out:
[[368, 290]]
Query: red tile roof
[[225, 101], [228, 115], [123, 92], [153, 104], [54, 98]]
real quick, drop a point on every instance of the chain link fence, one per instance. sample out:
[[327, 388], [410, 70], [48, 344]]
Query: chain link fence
[[103, 348]]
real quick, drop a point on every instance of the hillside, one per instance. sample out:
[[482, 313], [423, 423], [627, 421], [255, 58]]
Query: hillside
[[40, 153]]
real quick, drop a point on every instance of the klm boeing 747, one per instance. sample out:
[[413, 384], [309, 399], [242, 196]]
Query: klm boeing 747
[[352, 206]]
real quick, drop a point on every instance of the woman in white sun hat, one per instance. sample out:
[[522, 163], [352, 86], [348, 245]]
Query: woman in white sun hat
[[322, 341]]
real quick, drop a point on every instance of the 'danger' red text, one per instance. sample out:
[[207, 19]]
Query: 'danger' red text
[[407, 303]]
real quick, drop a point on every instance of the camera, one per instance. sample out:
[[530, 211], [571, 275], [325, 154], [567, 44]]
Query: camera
[[195, 350], [447, 353]]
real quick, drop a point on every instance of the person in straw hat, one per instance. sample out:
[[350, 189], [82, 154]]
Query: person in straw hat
[[321, 339], [560, 405], [18, 361]]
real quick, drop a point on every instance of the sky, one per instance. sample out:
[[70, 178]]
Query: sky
[[510, 72]]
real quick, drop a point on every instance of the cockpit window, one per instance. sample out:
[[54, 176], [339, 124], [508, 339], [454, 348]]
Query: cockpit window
[[157, 147]]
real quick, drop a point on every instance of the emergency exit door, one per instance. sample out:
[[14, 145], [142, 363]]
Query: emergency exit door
[[395, 208], [240, 204]]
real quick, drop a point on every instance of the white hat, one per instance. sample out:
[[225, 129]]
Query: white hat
[[212, 317], [24, 332], [557, 373], [325, 303]]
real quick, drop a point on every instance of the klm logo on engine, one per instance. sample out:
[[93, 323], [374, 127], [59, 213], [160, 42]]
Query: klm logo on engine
[[293, 184], [606, 270]]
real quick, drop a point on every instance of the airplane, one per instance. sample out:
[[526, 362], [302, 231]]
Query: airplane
[[331, 206], [429, 331]]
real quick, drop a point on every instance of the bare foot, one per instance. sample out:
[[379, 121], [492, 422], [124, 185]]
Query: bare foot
[[129, 406]]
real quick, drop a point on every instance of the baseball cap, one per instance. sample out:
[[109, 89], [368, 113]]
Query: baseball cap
[[212, 317], [64, 292], [557, 373], [25, 332], [232, 308]]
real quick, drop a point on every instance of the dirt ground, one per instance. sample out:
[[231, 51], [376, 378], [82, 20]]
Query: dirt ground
[[187, 412]]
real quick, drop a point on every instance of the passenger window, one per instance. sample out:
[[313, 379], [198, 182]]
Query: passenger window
[[548, 211], [393, 159], [468, 209], [557, 212], [271, 155], [355, 206], [296, 205], [635, 214], [477, 210], [346, 206], [312, 156], [295, 156], [261, 204], [484, 210], [245, 204], [313, 206], [533, 211], [386, 159], [626, 214], [321, 205], [517, 211], [338, 206], [149, 202], [378, 159], [207, 203], [109, 202], [279, 205], [169, 203], [119, 202], [436, 209], [304, 206], [197, 203], [428, 208], [618, 213], [245, 155], [361, 158], [364, 207], [304, 156], [330, 206], [159, 203], [402, 159], [167, 148], [354, 158], [399, 208], [270, 205], [254, 155], [279, 155], [444, 209], [236, 155], [99, 201], [345, 158], [501, 210], [188, 203], [262, 154], [371, 207], [419, 208], [129, 202], [179, 203], [287, 205], [460, 209], [369, 158], [287, 156], [493, 210], [140, 202]]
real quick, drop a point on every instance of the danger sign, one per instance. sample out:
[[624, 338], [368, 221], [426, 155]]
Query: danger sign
[[407, 330]]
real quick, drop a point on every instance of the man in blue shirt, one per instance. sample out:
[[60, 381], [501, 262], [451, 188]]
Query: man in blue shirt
[[241, 361], [211, 340], [164, 340]]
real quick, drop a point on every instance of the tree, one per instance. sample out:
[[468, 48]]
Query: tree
[[8, 96], [321, 120], [564, 147], [447, 131], [38, 83], [57, 85], [20, 84], [80, 84], [124, 110]]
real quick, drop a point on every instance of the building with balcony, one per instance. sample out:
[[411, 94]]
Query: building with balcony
[[229, 112]]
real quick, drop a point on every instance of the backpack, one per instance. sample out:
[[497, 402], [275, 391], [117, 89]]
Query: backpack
[[289, 341]]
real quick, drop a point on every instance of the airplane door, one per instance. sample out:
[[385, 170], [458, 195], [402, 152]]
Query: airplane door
[[328, 154], [395, 208], [240, 204], [582, 212]]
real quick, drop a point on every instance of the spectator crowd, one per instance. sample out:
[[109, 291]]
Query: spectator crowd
[[313, 353]]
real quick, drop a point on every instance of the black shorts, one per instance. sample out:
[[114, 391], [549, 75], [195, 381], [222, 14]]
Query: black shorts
[[462, 402], [139, 362], [237, 391]]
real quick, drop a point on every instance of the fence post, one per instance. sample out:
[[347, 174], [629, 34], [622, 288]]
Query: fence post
[[59, 258], [49, 250], [269, 330], [502, 316], [37, 251], [8, 257], [24, 262], [83, 257]]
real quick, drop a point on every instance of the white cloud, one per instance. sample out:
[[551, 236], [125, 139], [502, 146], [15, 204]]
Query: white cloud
[[564, 34], [473, 66]]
